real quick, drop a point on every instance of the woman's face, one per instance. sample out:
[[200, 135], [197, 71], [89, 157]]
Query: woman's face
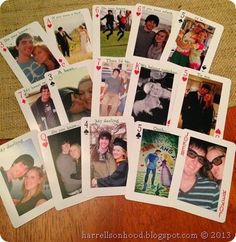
[[85, 92], [118, 152], [217, 171], [207, 97], [40, 55], [160, 37], [32, 180]]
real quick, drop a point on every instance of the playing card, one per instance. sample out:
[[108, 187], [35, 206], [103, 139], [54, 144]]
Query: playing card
[[30, 54], [201, 103], [72, 33], [203, 176], [38, 107], [61, 149], [111, 29], [154, 163], [25, 191], [72, 87], [153, 88], [151, 30], [194, 42], [112, 78], [105, 157]]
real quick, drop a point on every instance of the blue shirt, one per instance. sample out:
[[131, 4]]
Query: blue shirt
[[151, 159]]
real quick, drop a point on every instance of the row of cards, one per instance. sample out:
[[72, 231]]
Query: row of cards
[[150, 65]]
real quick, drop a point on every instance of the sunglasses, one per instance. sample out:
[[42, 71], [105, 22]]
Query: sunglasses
[[192, 154], [216, 161]]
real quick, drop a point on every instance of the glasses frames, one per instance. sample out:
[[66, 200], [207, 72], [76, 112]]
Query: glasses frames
[[192, 154], [216, 161]]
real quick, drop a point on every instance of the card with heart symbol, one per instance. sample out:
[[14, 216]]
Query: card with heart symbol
[[154, 163], [25, 191], [151, 30], [71, 32], [111, 29], [203, 176], [40, 110], [153, 89], [194, 42], [105, 157], [30, 53], [61, 149], [201, 103]]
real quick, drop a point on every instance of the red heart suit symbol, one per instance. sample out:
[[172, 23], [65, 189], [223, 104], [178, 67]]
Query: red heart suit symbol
[[49, 25], [184, 78], [138, 13], [136, 72], [98, 67]]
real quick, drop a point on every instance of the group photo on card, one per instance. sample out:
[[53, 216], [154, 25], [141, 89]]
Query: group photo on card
[[150, 32], [30, 54], [72, 34], [24, 184], [112, 26]]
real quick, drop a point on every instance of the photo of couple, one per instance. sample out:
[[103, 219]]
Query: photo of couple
[[108, 155], [200, 105], [192, 42], [66, 153], [33, 57], [202, 174]]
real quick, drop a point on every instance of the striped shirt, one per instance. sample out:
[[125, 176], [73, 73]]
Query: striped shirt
[[204, 193]]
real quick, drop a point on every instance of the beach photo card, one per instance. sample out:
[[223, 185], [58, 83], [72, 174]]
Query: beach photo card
[[151, 30], [40, 110], [203, 176], [154, 163], [112, 81], [30, 53], [105, 157], [71, 32], [61, 149], [153, 89], [201, 103], [111, 29], [72, 87], [25, 190], [194, 42]]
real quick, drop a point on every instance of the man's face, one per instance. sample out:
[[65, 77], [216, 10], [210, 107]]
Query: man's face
[[198, 28], [75, 152], [25, 47], [45, 95], [65, 148], [192, 165], [150, 25], [104, 142], [19, 169], [203, 91], [115, 74]]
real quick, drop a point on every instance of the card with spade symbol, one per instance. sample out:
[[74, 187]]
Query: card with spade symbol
[[105, 154], [71, 32], [30, 53], [111, 29], [194, 42], [203, 176], [111, 86], [153, 164], [61, 149], [40, 110], [152, 27], [25, 190], [71, 88], [201, 103], [153, 89]]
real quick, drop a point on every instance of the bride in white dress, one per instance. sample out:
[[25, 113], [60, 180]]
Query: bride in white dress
[[85, 45]]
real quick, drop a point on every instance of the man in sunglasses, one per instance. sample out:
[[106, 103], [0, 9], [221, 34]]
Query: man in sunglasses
[[194, 189]]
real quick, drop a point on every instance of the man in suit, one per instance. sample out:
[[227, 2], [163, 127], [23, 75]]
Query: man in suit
[[192, 108], [62, 41]]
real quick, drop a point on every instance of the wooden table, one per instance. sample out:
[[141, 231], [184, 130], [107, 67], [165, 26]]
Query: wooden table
[[110, 216]]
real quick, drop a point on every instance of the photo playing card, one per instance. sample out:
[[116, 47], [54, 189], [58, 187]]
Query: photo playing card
[[150, 32], [30, 54], [71, 87], [112, 81], [72, 33], [154, 87], [25, 191], [105, 156], [203, 176], [61, 148], [154, 163], [194, 42], [40, 110], [201, 103], [111, 29]]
